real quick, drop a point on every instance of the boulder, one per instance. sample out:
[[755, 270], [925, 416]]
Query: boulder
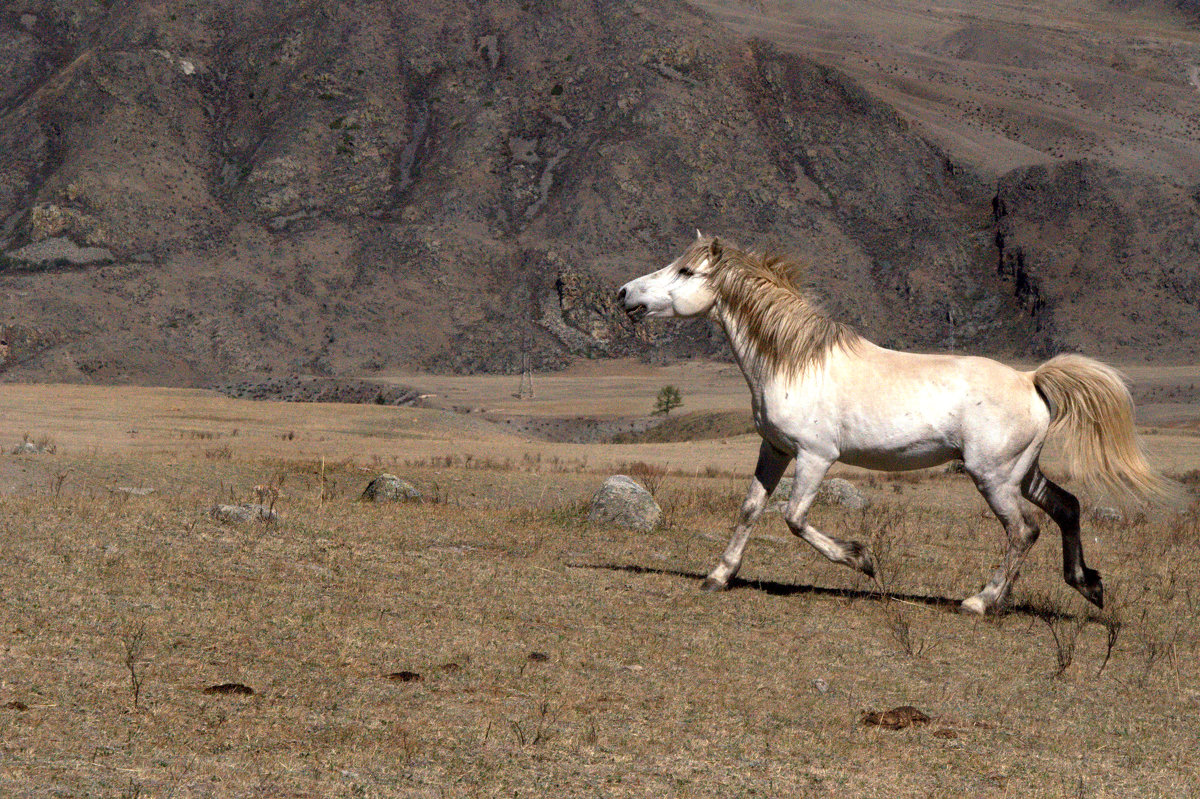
[[837, 491], [834, 491], [390, 488], [622, 502]]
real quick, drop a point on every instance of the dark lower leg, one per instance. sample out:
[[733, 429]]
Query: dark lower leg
[[1063, 507]]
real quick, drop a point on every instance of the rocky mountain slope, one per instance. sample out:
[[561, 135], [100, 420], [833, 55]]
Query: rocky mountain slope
[[192, 191]]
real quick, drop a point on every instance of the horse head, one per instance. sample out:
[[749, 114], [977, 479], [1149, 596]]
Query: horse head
[[680, 288]]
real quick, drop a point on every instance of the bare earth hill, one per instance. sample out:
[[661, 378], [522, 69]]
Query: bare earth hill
[[194, 192]]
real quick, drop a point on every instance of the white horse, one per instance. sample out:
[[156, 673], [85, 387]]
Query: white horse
[[822, 393]]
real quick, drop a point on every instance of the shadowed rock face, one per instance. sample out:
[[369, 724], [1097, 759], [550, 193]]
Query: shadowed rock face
[[339, 188], [1101, 260]]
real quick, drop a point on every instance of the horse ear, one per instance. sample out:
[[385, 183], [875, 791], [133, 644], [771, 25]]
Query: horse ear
[[715, 249], [699, 235]]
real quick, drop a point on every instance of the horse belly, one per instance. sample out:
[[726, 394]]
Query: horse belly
[[916, 456], [917, 447]]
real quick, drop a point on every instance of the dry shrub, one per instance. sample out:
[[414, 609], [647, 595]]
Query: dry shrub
[[1184, 528], [649, 475], [900, 628], [907, 478], [1052, 609]]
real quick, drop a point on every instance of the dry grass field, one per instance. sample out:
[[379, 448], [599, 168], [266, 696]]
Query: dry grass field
[[488, 641]]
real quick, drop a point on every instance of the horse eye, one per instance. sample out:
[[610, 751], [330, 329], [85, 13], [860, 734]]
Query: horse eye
[[685, 272]]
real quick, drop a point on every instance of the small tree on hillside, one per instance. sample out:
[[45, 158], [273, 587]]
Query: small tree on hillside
[[668, 398]]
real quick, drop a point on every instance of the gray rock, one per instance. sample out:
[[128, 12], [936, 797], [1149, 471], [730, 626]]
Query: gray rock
[[837, 491], [132, 491], [1104, 513], [834, 491], [622, 502], [239, 514], [390, 488], [27, 448]]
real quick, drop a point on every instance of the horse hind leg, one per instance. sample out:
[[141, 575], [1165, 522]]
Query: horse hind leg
[[1022, 531], [1063, 507]]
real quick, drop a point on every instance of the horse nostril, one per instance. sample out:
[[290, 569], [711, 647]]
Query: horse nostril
[[621, 295]]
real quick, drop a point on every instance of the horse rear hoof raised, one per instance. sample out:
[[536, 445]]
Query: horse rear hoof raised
[[1092, 588]]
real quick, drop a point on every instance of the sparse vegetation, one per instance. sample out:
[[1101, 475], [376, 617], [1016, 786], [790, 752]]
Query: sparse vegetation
[[257, 659]]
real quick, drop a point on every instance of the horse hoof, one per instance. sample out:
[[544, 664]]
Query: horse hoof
[[712, 585], [859, 557], [1092, 588], [974, 605]]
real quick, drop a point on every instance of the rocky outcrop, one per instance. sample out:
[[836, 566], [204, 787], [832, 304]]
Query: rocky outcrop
[[295, 388], [1080, 243]]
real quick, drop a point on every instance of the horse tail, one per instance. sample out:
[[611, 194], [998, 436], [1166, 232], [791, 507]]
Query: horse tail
[[1093, 411]]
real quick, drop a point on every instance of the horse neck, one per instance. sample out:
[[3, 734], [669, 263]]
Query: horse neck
[[754, 365]]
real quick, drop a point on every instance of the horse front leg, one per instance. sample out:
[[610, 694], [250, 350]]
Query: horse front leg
[[771, 464]]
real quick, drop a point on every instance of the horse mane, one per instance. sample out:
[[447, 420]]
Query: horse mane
[[763, 294]]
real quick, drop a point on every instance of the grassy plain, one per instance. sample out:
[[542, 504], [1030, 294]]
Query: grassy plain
[[555, 658]]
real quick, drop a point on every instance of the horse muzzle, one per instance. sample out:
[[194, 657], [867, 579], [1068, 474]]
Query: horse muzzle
[[637, 313], [634, 312]]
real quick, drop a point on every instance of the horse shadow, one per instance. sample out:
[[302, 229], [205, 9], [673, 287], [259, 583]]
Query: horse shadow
[[780, 589]]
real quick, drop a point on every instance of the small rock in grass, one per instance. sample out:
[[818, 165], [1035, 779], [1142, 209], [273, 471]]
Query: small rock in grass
[[239, 514], [622, 502], [131, 491], [834, 491], [390, 488]]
